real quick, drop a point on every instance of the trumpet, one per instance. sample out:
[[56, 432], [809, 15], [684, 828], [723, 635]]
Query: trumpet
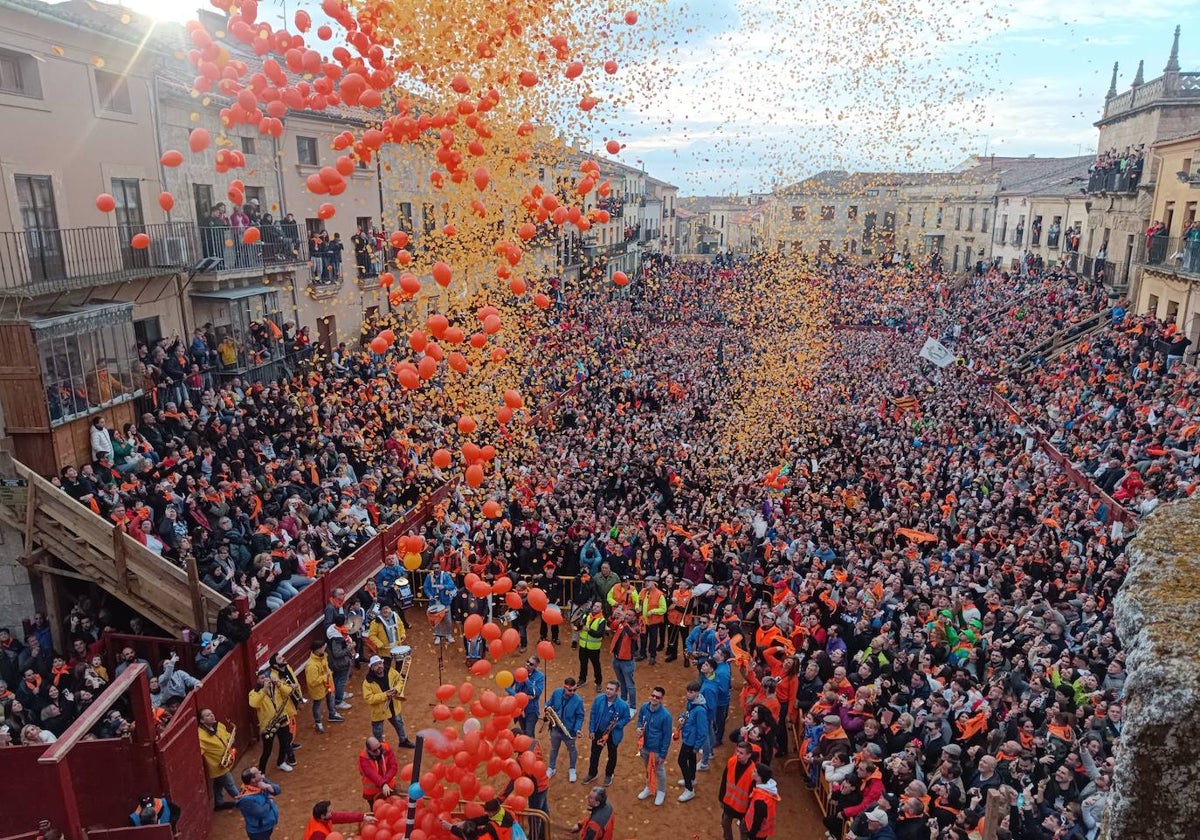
[[230, 754], [603, 739], [679, 722], [551, 718]]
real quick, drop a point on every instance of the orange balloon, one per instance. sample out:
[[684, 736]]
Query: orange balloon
[[105, 203], [512, 399], [538, 599], [408, 377], [458, 362], [631, 17], [198, 140], [613, 147], [378, 345], [620, 278], [445, 691], [502, 585], [491, 509], [552, 615], [437, 325], [511, 639], [481, 668], [512, 600], [442, 458], [251, 236], [140, 241], [441, 274], [473, 626], [326, 211], [482, 178], [492, 324], [474, 475], [496, 649], [427, 368], [171, 158], [441, 712], [166, 201], [491, 630], [466, 691], [546, 649], [503, 414], [541, 301], [516, 286], [410, 284], [466, 424]]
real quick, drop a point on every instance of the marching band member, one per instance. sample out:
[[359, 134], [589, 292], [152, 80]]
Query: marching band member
[[318, 677], [679, 618], [272, 702], [218, 752], [440, 589], [386, 631], [381, 691], [568, 705], [609, 717], [655, 726]]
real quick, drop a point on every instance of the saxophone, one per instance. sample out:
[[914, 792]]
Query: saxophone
[[230, 753], [279, 720], [552, 718]]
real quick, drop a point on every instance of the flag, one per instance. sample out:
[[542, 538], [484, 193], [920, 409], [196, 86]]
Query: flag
[[906, 403], [915, 535], [937, 353]]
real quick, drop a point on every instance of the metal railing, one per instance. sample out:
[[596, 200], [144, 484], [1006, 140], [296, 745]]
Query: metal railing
[[48, 260], [1181, 253], [1114, 180], [225, 251]]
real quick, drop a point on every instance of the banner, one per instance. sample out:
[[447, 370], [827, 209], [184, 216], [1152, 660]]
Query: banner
[[937, 353]]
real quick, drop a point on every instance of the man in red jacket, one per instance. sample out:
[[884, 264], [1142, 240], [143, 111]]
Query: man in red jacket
[[324, 818], [377, 766]]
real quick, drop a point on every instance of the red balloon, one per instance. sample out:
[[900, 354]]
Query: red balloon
[[140, 241], [491, 630], [496, 649], [473, 626], [465, 692], [545, 649], [166, 201], [538, 599], [442, 459], [552, 615], [445, 692], [441, 712], [520, 675], [523, 786], [480, 589], [513, 601], [502, 585], [105, 203], [474, 475], [481, 668], [511, 639]]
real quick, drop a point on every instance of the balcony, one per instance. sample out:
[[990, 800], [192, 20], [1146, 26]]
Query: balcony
[[223, 255], [1114, 181], [1174, 253], [51, 260]]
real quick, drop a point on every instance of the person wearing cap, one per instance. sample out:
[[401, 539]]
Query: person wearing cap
[[318, 679], [209, 654], [568, 705], [832, 739], [385, 632], [582, 598], [759, 822], [877, 825], [381, 691]]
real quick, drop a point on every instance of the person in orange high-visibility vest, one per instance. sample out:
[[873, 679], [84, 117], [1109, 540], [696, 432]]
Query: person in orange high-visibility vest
[[759, 823], [377, 766], [736, 784], [324, 818], [654, 616]]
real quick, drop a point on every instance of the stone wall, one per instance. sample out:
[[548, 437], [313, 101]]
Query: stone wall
[[1158, 618], [16, 594]]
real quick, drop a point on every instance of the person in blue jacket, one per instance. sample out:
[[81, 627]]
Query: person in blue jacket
[[654, 723], [701, 642], [719, 715], [533, 685], [610, 715], [568, 705], [695, 738], [257, 804], [711, 692], [155, 810]]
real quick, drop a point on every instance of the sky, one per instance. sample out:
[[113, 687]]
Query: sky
[[738, 96]]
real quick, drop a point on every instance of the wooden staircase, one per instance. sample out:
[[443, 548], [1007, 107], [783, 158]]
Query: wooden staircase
[[64, 539]]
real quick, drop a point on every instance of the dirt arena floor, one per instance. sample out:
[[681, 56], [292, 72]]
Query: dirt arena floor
[[326, 764]]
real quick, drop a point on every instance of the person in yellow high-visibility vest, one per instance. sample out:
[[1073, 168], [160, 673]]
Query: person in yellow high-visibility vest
[[591, 634]]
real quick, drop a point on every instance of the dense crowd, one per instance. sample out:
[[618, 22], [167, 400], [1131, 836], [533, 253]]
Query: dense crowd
[[907, 584]]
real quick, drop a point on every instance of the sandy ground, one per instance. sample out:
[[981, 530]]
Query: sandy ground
[[326, 767]]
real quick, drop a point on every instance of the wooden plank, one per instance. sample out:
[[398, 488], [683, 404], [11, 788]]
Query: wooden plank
[[53, 611], [119, 560], [994, 811], [31, 506], [67, 573], [198, 616]]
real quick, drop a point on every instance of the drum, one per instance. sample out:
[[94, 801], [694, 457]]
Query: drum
[[701, 589], [436, 613], [402, 592], [354, 624], [401, 652]]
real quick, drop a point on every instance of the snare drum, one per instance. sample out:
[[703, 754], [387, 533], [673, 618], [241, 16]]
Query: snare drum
[[403, 592], [436, 614], [401, 652]]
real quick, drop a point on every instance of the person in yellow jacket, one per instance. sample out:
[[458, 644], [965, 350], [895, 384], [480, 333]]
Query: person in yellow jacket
[[386, 631], [654, 616], [272, 703], [318, 679], [381, 690], [219, 758]]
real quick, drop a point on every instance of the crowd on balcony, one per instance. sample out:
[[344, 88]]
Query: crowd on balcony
[[1117, 171], [223, 230], [43, 690]]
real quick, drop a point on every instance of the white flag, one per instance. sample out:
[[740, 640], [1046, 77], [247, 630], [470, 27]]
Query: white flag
[[937, 353]]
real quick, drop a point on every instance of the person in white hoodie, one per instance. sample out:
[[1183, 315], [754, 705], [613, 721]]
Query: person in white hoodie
[[759, 822]]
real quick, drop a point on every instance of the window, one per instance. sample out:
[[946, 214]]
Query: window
[[908, 216], [797, 247], [428, 218], [147, 331], [798, 213], [954, 267], [87, 360], [1152, 305], [363, 223], [852, 213], [1035, 231], [957, 224], [872, 193], [128, 195], [1172, 311], [983, 222], [827, 211], [231, 314], [1002, 231], [939, 217], [306, 151], [112, 89], [404, 218], [19, 74], [257, 194], [247, 145]]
